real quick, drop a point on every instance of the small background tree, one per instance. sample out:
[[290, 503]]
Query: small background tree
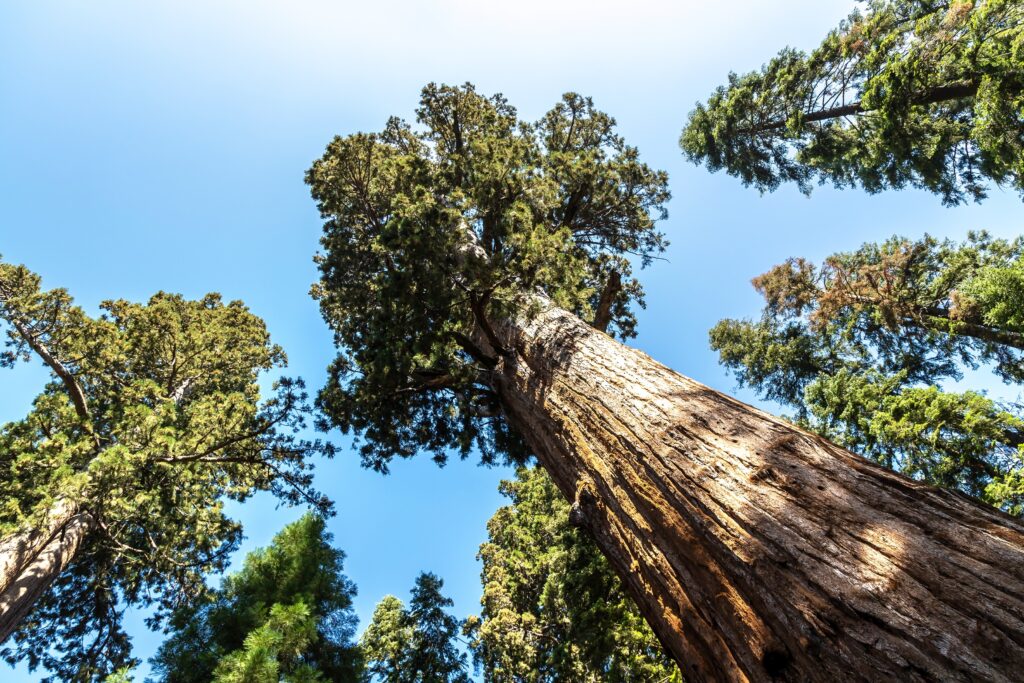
[[415, 644], [286, 615]]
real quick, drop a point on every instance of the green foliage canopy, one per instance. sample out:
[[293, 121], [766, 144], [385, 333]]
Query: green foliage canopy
[[907, 93], [859, 345], [150, 421], [417, 644], [432, 233], [553, 610], [286, 616]]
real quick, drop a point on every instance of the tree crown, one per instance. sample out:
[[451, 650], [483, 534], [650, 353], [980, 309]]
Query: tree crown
[[433, 232], [287, 612], [150, 421], [905, 93]]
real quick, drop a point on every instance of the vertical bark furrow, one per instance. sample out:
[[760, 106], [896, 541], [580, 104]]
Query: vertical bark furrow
[[756, 550], [642, 498]]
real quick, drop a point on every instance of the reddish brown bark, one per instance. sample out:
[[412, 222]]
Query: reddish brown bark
[[758, 551], [32, 560]]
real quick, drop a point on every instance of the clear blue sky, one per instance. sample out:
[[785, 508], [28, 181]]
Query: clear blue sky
[[161, 145]]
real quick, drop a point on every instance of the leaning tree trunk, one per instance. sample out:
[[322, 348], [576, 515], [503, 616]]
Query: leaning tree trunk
[[758, 551], [31, 560]]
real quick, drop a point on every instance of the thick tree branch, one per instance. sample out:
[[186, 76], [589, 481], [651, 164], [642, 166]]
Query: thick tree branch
[[474, 351], [430, 379], [944, 93], [71, 384], [603, 315], [479, 307], [939, 319]]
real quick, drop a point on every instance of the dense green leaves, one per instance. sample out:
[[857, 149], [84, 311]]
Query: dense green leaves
[[860, 345], [287, 615], [279, 643], [432, 234], [387, 640], [150, 422], [415, 644], [553, 610], [906, 93]]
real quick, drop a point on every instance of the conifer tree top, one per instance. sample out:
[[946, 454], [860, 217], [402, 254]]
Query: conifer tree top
[[904, 93], [434, 231], [418, 643], [287, 612]]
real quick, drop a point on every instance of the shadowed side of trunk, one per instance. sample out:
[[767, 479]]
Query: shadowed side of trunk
[[758, 551], [32, 560]]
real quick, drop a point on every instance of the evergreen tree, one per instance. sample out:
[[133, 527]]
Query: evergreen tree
[[286, 615], [430, 232], [906, 93], [417, 644], [858, 346], [461, 260], [387, 641], [114, 483], [553, 610]]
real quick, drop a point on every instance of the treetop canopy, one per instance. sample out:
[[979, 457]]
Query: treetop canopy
[[434, 231], [904, 93]]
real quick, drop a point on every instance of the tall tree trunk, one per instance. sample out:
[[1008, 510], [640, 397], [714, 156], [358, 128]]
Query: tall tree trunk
[[758, 551], [31, 560]]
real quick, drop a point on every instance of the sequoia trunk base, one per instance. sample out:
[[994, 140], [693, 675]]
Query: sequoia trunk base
[[758, 551], [30, 561]]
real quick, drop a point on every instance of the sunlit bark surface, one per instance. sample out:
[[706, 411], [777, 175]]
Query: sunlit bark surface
[[30, 561], [758, 551]]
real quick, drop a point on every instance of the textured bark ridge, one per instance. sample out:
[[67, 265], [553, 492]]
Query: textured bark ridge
[[30, 561], [758, 551]]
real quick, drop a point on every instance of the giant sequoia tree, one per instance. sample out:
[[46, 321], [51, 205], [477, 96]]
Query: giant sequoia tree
[[859, 345], [114, 483], [907, 93], [471, 266]]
